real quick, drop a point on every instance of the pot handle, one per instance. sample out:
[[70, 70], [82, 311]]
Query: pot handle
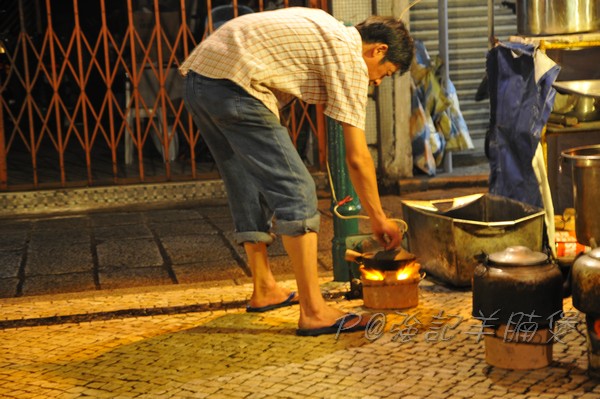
[[353, 256], [561, 160]]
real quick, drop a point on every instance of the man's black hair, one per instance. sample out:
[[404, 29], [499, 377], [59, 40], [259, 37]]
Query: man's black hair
[[393, 32]]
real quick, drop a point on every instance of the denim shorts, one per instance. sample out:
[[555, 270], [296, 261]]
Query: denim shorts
[[269, 188]]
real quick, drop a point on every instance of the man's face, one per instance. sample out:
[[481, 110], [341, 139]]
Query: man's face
[[379, 71], [373, 55]]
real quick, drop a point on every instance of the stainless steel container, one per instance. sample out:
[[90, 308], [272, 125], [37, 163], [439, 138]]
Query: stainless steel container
[[585, 164], [557, 17]]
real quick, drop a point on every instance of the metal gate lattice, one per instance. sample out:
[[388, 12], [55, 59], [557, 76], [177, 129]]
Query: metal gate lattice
[[90, 95]]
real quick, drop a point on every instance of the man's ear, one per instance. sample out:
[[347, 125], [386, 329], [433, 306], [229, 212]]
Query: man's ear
[[380, 49]]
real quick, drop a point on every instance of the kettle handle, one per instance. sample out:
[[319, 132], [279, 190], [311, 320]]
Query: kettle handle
[[482, 258]]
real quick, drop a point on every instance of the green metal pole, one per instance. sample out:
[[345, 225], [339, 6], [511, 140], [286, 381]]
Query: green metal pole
[[343, 189]]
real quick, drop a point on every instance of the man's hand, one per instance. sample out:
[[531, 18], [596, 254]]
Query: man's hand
[[387, 233], [362, 174]]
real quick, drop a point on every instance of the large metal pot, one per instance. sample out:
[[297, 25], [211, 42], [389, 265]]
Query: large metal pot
[[585, 171], [556, 17]]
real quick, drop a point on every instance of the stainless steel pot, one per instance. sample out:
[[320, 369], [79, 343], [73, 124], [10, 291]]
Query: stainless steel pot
[[584, 108], [556, 17], [585, 172]]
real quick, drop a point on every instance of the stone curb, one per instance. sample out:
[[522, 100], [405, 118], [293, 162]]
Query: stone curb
[[69, 200], [130, 302]]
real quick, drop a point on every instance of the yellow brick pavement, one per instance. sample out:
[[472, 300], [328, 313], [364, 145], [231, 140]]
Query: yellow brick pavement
[[227, 353]]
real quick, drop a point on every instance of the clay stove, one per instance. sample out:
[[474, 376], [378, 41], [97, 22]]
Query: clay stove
[[389, 280], [391, 289]]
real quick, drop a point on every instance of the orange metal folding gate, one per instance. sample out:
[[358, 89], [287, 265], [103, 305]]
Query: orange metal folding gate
[[91, 96]]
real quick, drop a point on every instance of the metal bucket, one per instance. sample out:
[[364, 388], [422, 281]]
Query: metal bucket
[[585, 170], [557, 17]]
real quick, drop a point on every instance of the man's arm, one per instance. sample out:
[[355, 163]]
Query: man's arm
[[362, 174]]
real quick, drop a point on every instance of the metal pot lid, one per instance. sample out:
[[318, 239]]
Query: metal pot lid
[[589, 261], [518, 256], [594, 253]]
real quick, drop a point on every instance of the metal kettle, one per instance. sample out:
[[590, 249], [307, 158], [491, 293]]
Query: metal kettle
[[517, 281], [585, 282]]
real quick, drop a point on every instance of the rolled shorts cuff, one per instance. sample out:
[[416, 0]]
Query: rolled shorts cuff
[[253, 236], [297, 227]]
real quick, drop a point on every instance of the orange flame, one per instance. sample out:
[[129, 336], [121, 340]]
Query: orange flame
[[597, 326], [372, 274], [406, 272]]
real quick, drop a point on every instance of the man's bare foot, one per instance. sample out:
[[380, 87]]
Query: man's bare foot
[[275, 296], [326, 317], [348, 323]]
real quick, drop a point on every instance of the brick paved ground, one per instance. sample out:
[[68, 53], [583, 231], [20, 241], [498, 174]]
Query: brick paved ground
[[227, 353], [163, 317]]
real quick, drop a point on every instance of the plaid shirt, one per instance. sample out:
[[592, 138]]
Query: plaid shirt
[[294, 52]]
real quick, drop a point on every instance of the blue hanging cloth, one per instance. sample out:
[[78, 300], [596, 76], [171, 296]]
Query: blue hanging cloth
[[521, 99]]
